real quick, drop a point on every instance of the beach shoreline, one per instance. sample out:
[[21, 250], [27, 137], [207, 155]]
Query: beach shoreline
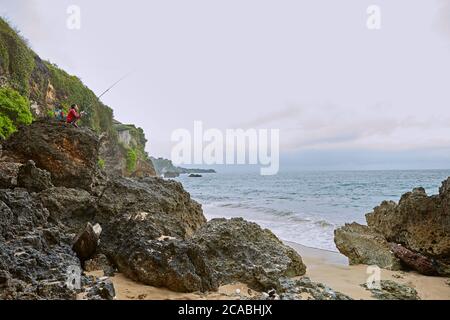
[[326, 267]]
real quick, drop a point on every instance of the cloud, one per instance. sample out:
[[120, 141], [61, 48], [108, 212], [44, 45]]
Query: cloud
[[328, 126]]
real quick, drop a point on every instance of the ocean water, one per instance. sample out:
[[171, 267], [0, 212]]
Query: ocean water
[[305, 207]]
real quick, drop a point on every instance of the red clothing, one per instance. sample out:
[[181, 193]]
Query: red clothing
[[72, 116]]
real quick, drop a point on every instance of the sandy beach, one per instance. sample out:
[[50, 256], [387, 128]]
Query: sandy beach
[[327, 267]]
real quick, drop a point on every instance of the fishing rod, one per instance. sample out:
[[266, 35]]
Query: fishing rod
[[107, 90], [114, 84]]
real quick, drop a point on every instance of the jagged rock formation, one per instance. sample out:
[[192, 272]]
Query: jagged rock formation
[[238, 250], [69, 154], [391, 290], [34, 254], [419, 223], [364, 246], [32, 178], [302, 289], [8, 174], [152, 230]]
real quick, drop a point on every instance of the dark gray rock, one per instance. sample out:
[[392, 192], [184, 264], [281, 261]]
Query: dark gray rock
[[34, 255], [103, 289], [99, 262], [8, 174], [86, 243], [73, 208], [305, 289], [238, 250], [132, 244], [391, 290], [32, 178], [69, 154], [161, 200]]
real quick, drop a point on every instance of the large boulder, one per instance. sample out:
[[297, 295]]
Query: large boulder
[[69, 154], [164, 202], [241, 251], [32, 178], [221, 252], [364, 246], [144, 247], [419, 223]]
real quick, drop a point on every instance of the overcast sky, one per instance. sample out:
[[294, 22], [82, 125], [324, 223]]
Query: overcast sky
[[343, 96]]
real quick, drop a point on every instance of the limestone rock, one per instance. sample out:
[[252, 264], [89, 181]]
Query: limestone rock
[[419, 223], [391, 290], [364, 246]]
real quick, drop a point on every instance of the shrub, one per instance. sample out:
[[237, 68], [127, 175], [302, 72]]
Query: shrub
[[131, 160], [14, 111], [101, 163]]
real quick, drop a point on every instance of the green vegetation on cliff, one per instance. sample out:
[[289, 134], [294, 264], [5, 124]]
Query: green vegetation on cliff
[[48, 87], [32, 78], [14, 111], [71, 90], [16, 58]]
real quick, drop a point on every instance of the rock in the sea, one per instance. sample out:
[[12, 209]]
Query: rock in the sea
[[415, 261], [419, 223], [69, 154], [242, 251], [86, 243], [33, 179], [391, 290], [364, 246]]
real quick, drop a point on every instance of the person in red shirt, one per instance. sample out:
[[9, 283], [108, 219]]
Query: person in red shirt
[[73, 116]]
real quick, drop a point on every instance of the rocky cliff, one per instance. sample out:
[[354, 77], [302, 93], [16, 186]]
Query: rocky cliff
[[46, 87], [59, 212], [412, 234]]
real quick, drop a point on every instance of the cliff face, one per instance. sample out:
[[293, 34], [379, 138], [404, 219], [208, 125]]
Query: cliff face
[[46, 86]]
